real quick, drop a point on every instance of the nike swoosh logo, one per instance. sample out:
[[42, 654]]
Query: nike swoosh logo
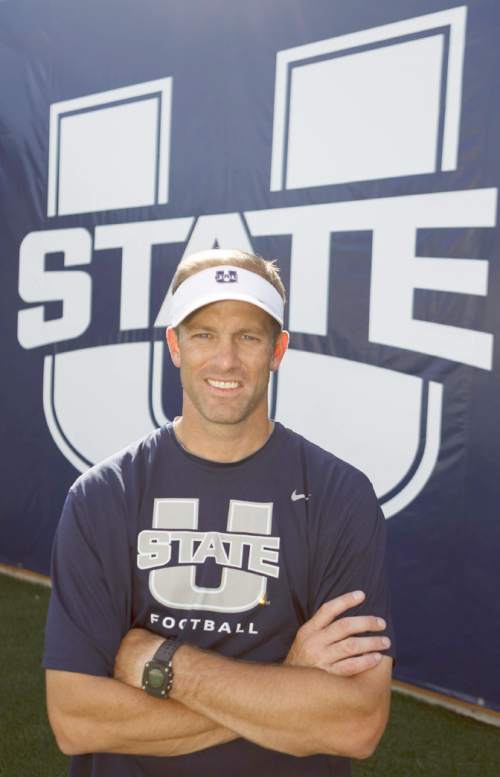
[[294, 496]]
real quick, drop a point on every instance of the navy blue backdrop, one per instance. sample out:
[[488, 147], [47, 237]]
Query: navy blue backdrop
[[356, 143]]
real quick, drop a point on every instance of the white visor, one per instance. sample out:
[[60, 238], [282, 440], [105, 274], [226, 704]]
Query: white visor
[[224, 282]]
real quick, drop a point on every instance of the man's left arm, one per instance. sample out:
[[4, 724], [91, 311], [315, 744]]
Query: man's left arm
[[300, 710], [297, 710], [327, 642]]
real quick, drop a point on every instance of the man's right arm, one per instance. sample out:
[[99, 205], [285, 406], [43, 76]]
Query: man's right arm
[[91, 714]]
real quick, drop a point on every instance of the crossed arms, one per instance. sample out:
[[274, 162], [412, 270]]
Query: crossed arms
[[331, 695]]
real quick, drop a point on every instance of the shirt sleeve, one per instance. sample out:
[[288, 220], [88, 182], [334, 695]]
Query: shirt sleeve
[[90, 601], [351, 555]]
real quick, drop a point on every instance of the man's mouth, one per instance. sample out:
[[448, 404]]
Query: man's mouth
[[223, 384]]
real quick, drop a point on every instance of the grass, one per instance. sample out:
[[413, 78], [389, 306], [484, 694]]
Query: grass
[[425, 741], [420, 740], [27, 748]]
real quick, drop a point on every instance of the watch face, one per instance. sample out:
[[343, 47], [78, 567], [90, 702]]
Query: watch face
[[156, 678]]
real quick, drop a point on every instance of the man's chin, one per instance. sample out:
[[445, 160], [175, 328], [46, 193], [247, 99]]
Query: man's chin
[[226, 410], [228, 419], [226, 415]]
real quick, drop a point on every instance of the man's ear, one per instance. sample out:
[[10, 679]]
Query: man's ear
[[280, 347], [173, 346]]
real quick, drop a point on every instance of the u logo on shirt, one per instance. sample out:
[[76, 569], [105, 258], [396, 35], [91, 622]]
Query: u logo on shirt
[[176, 521]]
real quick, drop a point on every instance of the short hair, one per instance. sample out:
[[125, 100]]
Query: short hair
[[215, 257]]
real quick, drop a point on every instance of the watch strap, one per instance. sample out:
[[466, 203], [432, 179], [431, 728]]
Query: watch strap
[[165, 652]]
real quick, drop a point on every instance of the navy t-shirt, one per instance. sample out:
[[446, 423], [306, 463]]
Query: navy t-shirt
[[232, 557]]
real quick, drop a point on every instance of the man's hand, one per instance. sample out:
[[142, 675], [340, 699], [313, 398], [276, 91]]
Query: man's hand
[[327, 642], [137, 647], [346, 714]]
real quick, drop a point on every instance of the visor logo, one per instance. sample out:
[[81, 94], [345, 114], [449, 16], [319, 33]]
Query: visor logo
[[226, 276]]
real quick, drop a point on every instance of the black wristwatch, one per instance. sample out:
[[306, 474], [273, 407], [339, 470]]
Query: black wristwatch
[[158, 675]]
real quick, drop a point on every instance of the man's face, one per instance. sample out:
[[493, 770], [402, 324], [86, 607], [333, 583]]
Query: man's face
[[225, 352]]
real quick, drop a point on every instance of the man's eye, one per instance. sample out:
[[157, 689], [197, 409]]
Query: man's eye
[[202, 335], [249, 338]]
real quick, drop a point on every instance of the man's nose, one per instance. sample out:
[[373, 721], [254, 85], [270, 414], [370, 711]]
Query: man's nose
[[226, 356]]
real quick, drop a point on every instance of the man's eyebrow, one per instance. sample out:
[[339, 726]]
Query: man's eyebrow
[[254, 329], [251, 329], [205, 328]]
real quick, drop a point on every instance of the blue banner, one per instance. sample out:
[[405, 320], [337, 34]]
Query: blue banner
[[356, 143]]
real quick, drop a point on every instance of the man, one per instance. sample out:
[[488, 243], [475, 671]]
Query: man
[[199, 575]]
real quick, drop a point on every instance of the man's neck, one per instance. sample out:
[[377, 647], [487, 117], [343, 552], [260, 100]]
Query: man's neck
[[223, 443]]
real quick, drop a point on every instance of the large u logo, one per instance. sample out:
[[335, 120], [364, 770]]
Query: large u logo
[[239, 589]]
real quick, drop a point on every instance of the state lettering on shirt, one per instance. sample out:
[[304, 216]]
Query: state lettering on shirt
[[155, 546]]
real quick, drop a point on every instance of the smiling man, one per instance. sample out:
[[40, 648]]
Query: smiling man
[[204, 579]]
